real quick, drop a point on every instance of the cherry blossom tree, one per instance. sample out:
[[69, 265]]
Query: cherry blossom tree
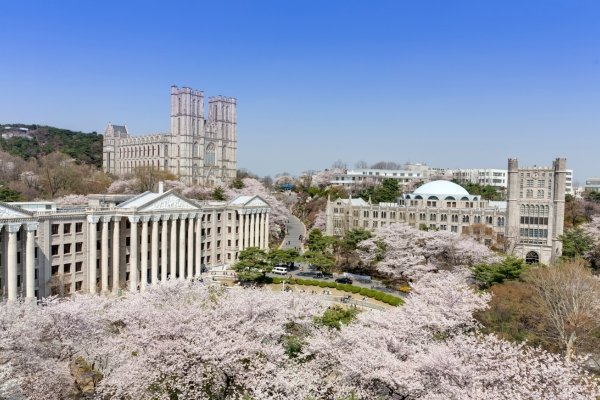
[[324, 178], [72, 200], [187, 340], [402, 251]]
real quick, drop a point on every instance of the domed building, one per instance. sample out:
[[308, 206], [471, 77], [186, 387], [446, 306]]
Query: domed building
[[529, 224]]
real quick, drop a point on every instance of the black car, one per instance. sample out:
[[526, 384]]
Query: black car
[[344, 280]]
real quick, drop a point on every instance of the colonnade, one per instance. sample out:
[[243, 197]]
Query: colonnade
[[253, 230], [11, 262], [182, 256]]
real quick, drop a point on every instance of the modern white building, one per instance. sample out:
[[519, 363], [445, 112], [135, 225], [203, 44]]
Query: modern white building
[[197, 150], [592, 184], [122, 241], [357, 177], [482, 176], [529, 224]]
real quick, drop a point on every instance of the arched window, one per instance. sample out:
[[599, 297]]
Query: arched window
[[532, 258], [195, 150], [193, 106], [209, 154]]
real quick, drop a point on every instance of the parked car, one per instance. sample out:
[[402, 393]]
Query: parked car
[[280, 270], [323, 275], [344, 280]]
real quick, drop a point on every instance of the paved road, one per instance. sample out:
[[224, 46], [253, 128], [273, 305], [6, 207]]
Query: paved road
[[294, 229]]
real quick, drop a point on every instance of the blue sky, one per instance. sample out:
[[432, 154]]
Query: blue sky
[[449, 83]]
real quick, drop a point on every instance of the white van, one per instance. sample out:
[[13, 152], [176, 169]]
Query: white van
[[280, 270]]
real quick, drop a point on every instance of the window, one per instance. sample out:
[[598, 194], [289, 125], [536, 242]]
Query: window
[[66, 228], [78, 285], [444, 217], [55, 269], [78, 266], [454, 228], [78, 247], [375, 214], [55, 229], [374, 224], [54, 249], [454, 218], [79, 227], [67, 248], [209, 155], [432, 217], [67, 268], [365, 214]]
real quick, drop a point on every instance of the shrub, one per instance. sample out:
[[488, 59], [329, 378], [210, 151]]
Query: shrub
[[334, 316]]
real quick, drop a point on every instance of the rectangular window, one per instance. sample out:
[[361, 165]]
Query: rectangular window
[[78, 247], [54, 249], [55, 229], [67, 268], [67, 248], [55, 269], [78, 266], [67, 228], [79, 227], [78, 285]]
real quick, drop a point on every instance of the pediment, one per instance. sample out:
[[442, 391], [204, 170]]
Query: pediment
[[256, 202], [169, 201], [7, 211]]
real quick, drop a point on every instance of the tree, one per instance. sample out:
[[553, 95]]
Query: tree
[[320, 243], [219, 194], [187, 340], [284, 256], [8, 195], [148, 177], [323, 261], [387, 192], [568, 298], [510, 268], [576, 243], [253, 263]]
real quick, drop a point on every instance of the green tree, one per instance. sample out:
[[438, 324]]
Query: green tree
[[510, 268], [387, 192], [320, 243], [485, 191], [252, 265], [335, 316], [576, 243], [237, 183], [219, 194], [8, 195], [283, 256], [323, 261]]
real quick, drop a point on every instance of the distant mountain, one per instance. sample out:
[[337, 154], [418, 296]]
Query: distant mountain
[[27, 141]]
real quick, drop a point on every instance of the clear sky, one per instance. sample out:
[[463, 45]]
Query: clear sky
[[449, 83]]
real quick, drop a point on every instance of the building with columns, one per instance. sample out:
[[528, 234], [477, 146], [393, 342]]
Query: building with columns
[[198, 149], [122, 241], [528, 225]]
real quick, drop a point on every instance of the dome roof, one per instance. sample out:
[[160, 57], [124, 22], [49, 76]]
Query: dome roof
[[441, 188]]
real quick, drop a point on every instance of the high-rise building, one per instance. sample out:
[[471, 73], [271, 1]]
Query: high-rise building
[[198, 150]]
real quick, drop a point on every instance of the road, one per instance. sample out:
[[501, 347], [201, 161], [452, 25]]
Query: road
[[294, 230]]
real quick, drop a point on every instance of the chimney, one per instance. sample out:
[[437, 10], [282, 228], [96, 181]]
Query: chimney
[[161, 187]]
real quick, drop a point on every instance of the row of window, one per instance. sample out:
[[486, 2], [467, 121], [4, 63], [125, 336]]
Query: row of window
[[534, 232], [534, 220], [67, 228]]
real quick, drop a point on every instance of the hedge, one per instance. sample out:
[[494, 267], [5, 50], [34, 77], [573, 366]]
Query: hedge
[[375, 294]]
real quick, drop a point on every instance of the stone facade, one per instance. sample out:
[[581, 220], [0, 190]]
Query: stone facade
[[122, 241], [198, 150], [529, 224], [536, 210]]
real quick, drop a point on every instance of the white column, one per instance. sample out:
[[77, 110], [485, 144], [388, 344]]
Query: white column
[[246, 230], [267, 230], [198, 245], [30, 227], [252, 235], [144, 253], [12, 260], [190, 248], [164, 248], [93, 252], [154, 262], [116, 256], [133, 253], [259, 227], [173, 255], [241, 232], [182, 246], [104, 255]]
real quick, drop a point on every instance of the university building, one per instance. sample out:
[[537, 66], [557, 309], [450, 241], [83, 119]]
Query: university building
[[122, 241], [198, 149], [529, 224]]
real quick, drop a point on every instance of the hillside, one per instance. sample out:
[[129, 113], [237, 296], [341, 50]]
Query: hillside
[[33, 141]]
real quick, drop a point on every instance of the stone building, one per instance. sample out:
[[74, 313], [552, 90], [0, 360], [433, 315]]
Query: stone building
[[198, 150], [122, 241], [529, 224]]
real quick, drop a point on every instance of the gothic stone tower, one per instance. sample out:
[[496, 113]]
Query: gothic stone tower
[[220, 141], [536, 209]]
